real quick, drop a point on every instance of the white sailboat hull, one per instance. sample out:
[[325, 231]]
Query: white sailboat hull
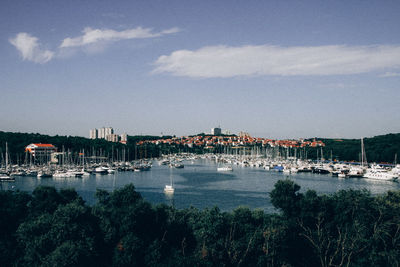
[[169, 189]]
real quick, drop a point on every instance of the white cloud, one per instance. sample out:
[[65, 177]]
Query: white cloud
[[390, 74], [92, 36], [30, 49], [225, 61]]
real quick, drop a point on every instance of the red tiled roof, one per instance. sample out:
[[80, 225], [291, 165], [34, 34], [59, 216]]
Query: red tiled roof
[[44, 145]]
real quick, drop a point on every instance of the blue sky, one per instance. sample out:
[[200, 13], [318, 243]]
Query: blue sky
[[279, 69]]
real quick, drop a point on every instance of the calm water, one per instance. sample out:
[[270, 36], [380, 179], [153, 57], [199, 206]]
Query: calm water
[[200, 185]]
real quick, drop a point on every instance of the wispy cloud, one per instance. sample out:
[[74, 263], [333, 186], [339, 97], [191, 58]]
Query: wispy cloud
[[29, 48], [390, 74], [226, 61], [92, 36], [93, 41]]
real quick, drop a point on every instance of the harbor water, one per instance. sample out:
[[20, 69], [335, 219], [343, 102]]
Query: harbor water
[[200, 185]]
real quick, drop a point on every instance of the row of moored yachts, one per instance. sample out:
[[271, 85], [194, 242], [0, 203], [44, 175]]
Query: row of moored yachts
[[224, 163], [341, 170], [9, 173]]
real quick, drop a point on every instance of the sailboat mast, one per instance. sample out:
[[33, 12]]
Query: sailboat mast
[[363, 155], [6, 157]]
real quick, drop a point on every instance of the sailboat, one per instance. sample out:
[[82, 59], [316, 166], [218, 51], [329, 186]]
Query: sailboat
[[5, 176], [169, 189], [223, 168], [359, 171]]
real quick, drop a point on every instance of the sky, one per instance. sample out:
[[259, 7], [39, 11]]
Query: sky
[[275, 69]]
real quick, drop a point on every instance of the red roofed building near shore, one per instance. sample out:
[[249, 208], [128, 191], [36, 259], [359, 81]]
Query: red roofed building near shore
[[40, 149]]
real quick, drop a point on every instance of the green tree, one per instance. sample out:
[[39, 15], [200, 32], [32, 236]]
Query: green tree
[[13, 210], [68, 237], [286, 197]]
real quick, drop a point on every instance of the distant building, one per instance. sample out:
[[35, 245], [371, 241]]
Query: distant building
[[244, 134], [101, 133], [94, 134], [112, 137], [124, 138], [107, 133], [216, 131], [41, 151]]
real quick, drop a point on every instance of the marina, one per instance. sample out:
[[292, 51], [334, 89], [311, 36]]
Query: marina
[[200, 133], [192, 180]]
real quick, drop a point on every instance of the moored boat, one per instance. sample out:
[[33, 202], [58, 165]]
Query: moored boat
[[376, 172], [4, 177], [225, 169], [101, 170]]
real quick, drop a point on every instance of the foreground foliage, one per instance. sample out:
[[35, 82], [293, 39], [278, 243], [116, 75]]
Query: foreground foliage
[[56, 228]]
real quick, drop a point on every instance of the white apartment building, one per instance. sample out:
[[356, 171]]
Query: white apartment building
[[124, 138], [112, 137], [102, 133], [107, 133], [40, 150], [94, 134]]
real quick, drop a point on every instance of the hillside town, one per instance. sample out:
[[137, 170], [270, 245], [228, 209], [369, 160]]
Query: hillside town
[[243, 139]]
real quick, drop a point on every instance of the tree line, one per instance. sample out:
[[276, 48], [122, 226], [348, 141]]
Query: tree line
[[75, 145], [56, 228], [383, 148]]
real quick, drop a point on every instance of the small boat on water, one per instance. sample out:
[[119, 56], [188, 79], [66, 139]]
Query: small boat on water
[[176, 165], [82, 173], [44, 174], [179, 165], [225, 169], [67, 174], [63, 174], [163, 162], [356, 172], [110, 170], [4, 176], [141, 167], [169, 189], [101, 170]]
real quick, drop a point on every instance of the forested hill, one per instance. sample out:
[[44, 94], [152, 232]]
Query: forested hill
[[18, 141], [382, 148]]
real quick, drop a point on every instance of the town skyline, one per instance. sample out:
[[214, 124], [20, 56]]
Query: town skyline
[[280, 70]]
